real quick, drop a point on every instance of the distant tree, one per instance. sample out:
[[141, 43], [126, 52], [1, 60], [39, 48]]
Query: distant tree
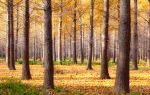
[[74, 33], [81, 39], [89, 66], [60, 33], [122, 75], [135, 39], [25, 66], [54, 47], [104, 63], [48, 46], [17, 30]]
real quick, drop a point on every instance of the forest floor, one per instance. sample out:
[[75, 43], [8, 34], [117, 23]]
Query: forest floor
[[76, 80]]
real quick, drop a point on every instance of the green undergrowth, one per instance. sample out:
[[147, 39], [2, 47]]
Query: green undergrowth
[[31, 62], [16, 87]]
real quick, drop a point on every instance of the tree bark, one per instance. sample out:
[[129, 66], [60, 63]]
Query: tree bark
[[60, 33], [135, 39], [17, 30], [8, 35], [122, 75], [54, 46], [25, 66], [64, 49], [104, 64], [81, 40], [114, 54], [74, 33], [148, 53], [48, 46], [89, 66], [12, 61]]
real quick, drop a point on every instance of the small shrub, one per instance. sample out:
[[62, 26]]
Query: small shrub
[[57, 89]]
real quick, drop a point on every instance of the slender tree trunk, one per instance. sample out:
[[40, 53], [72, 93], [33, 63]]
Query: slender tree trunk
[[8, 35], [48, 46], [12, 61], [25, 66], [148, 53], [114, 54], [54, 47], [64, 47], [17, 30], [34, 49], [60, 33], [104, 64], [74, 33], [70, 48], [122, 76], [135, 39], [101, 47], [81, 40], [90, 51], [117, 46]]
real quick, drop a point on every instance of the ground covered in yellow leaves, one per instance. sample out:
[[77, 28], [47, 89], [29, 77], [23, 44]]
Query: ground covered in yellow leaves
[[76, 79]]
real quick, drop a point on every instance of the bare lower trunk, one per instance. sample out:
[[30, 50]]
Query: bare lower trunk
[[54, 46], [135, 39], [74, 34], [81, 41], [60, 34], [8, 36], [104, 64], [148, 53], [25, 66], [122, 76], [17, 30], [114, 54], [90, 51], [48, 46], [12, 61]]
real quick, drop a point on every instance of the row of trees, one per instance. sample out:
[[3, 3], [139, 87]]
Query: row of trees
[[123, 58], [48, 55]]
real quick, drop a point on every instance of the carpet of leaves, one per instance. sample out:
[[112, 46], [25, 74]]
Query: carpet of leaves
[[75, 78]]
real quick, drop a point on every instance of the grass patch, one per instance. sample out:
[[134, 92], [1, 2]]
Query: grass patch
[[31, 62], [64, 62], [16, 87]]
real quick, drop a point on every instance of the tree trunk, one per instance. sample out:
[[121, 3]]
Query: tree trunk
[[12, 61], [81, 40], [8, 35], [60, 34], [104, 64], [122, 76], [48, 46], [17, 30], [25, 66], [135, 39], [34, 49], [74, 33], [54, 46], [90, 51], [114, 54], [148, 53], [64, 55], [70, 47]]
